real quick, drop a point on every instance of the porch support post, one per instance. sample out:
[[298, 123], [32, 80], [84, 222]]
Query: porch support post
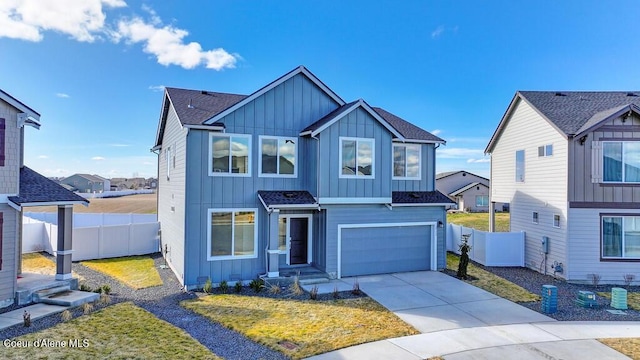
[[65, 234], [273, 253], [492, 216]]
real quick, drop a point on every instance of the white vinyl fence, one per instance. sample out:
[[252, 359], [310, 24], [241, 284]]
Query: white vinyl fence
[[95, 236], [487, 248]]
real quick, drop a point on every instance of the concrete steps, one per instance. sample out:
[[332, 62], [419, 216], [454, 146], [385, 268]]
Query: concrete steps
[[70, 298]]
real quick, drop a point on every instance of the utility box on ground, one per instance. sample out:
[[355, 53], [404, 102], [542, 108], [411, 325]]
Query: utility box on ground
[[549, 299], [619, 298], [586, 299]]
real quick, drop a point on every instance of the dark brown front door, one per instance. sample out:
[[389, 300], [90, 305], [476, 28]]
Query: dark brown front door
[[298, 231]]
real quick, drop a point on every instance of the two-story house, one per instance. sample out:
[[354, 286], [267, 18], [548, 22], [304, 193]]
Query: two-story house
[[86, 183], [292, 175], [569, 165], [21, 187], [469, 191]]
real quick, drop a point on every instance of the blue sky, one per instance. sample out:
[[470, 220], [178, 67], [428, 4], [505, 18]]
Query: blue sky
[[95, 70]]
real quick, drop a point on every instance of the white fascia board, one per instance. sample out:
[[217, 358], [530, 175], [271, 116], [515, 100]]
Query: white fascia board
[[297, 206], [20, 106], [421, 204], [333, 121], [56, 203], [416, 141], [353, 200], [205, 127], [296, 71]]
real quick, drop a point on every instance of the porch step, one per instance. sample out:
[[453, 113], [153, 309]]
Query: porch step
[[40, 294], [32, 283], [314, 280], [69, 298]]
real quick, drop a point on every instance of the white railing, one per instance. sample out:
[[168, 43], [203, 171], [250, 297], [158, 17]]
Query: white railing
[[487, 248], [115, 193], [95, 236]]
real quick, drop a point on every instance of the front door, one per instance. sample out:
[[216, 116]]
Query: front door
[[298, 232]]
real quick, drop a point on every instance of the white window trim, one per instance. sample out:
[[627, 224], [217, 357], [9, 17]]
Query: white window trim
[[373, 158], [295, 165], [524, 166], [233, 211], [535, 219], [623, 167], [210, 154], [287, 250], [482, 196], [554, 221], [168, 154], [544, 150], [419, 177]]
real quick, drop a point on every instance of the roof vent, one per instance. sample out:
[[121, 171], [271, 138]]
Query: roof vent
[[190, 106], [415, 195], [289, 194], [204, 92], [632, 94], [560, 94]]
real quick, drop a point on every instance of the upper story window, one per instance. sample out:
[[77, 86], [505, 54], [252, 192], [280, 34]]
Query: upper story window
[[520, 166], [169, 157], [278, 156], [621, 161], [357, 157], [230, 154], [621, 237], [535, 217], [546, 150], [406, 161]]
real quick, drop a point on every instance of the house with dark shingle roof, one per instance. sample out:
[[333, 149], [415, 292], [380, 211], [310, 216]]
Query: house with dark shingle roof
[[86, 183], [292, 176], [22, 187], [469, 191], [569, 165]]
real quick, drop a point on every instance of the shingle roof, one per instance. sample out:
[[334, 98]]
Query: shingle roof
[[330, 116], [194, 106], [89, 177], [35, 188], [407, 129], [419, 197], [571, 110], [466, 187], [286, 197]]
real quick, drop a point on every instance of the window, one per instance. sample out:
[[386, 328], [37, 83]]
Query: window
[[546, 150], [230, 154], [621, 237], [621, 161], [406, 161], [2, 141], [534, 217], [1, 231], [520, 166], [282, 234], [232, 234], [482, 200], [168, 154], [357, 156], [556, 220], [278, 156]]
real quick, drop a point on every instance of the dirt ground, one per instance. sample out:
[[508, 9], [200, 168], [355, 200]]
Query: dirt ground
[[137, 204]]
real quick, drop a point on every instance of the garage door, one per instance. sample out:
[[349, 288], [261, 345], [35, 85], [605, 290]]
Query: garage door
[[381, 250]]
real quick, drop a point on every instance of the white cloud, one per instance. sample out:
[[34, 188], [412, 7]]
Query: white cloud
[[437, 32], [43, 157], [459, 153], [156, 88], [98, 158], [436, 131], [28, 19], [166, 43], [476, 161], [63, 95]]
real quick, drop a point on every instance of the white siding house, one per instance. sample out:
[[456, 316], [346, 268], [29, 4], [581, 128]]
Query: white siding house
[[541, 161], [469, 191]]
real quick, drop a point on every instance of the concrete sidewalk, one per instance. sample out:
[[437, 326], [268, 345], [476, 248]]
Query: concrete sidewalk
[[459, 321], [37, 311]]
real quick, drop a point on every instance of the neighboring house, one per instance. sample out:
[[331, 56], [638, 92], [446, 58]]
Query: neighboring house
[[128, 183], [85, 183], [21, 187], [569, 165], [151, 183], [469, 191], [292, 175]]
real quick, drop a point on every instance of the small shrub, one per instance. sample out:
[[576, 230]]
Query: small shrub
[[274, 289], [85, 287], [628, 279], [356, 288], [26, 317], [208, 286], [224, 287], [256, 284], [66, 315], [87, 308], [238, 286], [295, 287], [98, 290], [104, 299], [595, 279], [336, 293], [313, 294], [106, 289]]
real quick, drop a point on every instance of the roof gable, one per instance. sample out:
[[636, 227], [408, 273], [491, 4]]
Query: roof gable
[[467, 187], [32, 117], [451, 173], [36, 189], [407, 129]]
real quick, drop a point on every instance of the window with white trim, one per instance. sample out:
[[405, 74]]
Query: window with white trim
[[621, 237], [556, 220], [230, 154], [407, 159], [534, 217], [169, 156], [232, 234], [621, 161], [357, 157], [278, 156], [520, 166], [482, 200], [546, 150]]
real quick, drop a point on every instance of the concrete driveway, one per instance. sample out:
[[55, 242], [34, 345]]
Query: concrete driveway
[[461, 321]]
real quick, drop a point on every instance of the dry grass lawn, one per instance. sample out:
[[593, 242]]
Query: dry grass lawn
[[137, 204], [480, 221], [629, 347], [37, 263], [493, 283], [121, 331], [302, 328], [137, 272], [633, 299]]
